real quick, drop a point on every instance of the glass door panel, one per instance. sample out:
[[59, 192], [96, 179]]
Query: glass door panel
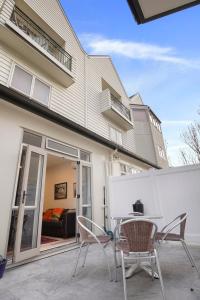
[[32, 203], [20, 177], [86, 190], [29, 213]]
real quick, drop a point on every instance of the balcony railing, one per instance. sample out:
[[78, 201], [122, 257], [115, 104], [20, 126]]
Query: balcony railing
[[41, 38], [120, 107]]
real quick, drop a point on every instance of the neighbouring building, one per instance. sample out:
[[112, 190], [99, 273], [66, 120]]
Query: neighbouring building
[[149, 140], [65, 125]]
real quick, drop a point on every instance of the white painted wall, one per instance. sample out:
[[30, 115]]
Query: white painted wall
[[168, 193], [12, 122]]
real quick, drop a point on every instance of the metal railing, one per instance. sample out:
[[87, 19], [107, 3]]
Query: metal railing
[[40, 37], [120, 107]]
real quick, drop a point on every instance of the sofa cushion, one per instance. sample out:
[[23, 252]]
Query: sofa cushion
[[56, 214], [47, 214]]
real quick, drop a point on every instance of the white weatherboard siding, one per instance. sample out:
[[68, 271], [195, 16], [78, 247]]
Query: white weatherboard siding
[[51, 13], [106, 70], [95, 120], [98, 68], [144, 141], [14, 119], [68, 102], [81, 101], [167, 193], [5, 66], [129, 141], [6, 10]]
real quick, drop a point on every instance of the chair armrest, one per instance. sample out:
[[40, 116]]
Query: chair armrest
[[173, 226]]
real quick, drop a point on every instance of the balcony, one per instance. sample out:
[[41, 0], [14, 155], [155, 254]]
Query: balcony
[[28, 39], [115, 110]]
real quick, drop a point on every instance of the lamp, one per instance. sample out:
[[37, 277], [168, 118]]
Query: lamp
[[148, 10]]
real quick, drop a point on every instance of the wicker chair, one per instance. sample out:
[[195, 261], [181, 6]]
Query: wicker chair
[[88, 238], [167, 235], [137, 241]]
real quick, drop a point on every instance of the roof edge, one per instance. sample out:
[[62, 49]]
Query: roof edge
[[27, 104]]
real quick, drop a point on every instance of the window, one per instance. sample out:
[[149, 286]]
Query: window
[[116, 136], [84, 155], [41, 91], [128, 170], [155, 122], [22, 81], [61, 147], [30, 85], [32, 139], [161, 152]]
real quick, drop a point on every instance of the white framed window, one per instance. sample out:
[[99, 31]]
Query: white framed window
[[30, 85], [155, 122], [84, 155], [161, 152], [116, 136], [128, 169]]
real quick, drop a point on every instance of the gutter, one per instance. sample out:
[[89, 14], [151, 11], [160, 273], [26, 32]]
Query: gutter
[[34, 107]]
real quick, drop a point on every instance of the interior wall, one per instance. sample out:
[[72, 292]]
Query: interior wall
[[61, 172]]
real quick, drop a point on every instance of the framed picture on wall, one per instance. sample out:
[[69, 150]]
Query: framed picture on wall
[[60, 191], [74, 189]]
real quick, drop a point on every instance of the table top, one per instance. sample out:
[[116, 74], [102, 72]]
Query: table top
[[132, 216]]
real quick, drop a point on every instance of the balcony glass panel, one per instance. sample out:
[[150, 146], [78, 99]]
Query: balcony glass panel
[[41, 38], [118, 105]]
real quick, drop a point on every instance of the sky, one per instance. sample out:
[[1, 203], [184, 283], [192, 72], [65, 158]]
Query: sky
[[160, 59]]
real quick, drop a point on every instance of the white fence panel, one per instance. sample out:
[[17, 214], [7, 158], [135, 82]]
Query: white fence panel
[[168, 192]]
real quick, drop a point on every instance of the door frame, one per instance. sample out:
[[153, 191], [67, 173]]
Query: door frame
[[47, 152], [79, 181]]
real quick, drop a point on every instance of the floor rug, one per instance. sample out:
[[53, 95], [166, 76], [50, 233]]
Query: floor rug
[[45, 239]]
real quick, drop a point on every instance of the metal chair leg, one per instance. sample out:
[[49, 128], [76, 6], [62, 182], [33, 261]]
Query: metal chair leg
[[189, 255], [115, 259], [124, 275], [152, 268], [160, 274], [77, 260], [86, 252], [107, 262]]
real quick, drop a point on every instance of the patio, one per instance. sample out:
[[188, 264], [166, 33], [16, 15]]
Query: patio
[[50, 278]]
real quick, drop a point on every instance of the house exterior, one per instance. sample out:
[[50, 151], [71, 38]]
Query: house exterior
[[149, 140], [56, 103]]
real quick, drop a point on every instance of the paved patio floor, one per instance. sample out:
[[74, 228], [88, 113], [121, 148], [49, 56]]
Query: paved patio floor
[[50, 279]]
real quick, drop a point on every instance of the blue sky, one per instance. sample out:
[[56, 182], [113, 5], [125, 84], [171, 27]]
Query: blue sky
[[160, 60]]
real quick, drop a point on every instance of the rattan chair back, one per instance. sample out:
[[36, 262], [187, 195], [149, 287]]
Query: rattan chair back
[[139, 235]]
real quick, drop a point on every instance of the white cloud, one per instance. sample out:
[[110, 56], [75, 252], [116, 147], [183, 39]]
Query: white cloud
[[142, 51], [176, 123]]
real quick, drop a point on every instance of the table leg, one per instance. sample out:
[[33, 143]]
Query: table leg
[[135, 268], [132, 270], [147, 268]]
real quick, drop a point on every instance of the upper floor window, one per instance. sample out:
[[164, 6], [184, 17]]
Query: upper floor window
[[30, 85], [116, 136], [155, 122], [161, 152], [128, 169]]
